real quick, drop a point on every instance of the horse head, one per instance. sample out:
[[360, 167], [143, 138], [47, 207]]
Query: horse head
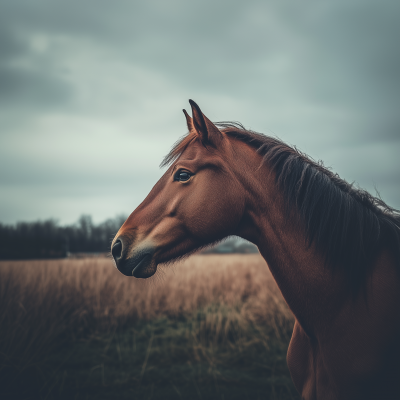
[[198, 201]]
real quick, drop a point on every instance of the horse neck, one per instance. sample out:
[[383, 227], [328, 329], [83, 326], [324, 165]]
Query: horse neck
[[309, 288]]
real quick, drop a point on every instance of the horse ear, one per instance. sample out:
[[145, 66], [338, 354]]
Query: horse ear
[[189, 121], [207, 131]]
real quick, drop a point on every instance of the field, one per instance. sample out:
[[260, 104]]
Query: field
[[209, 327]]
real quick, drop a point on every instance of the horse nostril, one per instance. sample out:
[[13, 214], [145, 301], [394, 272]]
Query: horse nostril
[[116, 250]]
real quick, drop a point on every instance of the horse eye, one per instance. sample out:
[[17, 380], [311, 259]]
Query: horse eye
[[182, 176]]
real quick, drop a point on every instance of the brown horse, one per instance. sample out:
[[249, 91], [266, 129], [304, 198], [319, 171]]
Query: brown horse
[[333, 249]]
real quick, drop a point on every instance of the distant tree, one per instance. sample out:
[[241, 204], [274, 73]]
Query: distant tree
[[46, 239]]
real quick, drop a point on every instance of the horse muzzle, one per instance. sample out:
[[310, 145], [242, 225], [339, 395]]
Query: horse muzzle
[[140, 263]]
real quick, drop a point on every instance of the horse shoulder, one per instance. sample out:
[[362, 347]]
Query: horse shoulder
[[361, 347], [354, 356]]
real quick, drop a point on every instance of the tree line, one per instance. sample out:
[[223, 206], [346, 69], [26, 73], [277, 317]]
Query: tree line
[[47, 239]]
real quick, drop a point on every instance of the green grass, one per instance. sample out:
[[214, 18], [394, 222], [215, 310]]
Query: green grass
[[75, 331], [212, 354], [166, 359]]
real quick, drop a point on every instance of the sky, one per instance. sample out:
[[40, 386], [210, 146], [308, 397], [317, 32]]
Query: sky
[[92, 91]]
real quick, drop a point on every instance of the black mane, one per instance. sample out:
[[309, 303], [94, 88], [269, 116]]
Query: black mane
[[346, 223]]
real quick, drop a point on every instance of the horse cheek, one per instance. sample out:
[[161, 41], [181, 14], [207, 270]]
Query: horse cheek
[[224, 210]]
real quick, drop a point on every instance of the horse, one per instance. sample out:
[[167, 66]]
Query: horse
[[332, 248]]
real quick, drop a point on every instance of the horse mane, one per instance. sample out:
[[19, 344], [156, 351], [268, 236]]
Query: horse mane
[[347, 224]]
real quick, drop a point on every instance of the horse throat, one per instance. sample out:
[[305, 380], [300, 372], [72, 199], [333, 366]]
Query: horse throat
[[308, 287]]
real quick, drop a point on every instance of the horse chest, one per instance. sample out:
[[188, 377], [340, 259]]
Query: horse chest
[[312, 378], [362, 370]]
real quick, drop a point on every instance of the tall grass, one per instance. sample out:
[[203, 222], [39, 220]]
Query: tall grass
[[214, 305]]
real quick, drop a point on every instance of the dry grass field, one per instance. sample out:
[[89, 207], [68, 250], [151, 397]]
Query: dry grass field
[[209, 327]]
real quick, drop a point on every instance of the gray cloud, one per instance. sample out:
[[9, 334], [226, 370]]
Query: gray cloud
[[91, 92]]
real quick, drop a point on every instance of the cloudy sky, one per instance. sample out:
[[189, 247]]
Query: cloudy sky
[[91, 92]]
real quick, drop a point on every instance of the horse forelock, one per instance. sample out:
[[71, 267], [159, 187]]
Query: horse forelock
[[178, 148]]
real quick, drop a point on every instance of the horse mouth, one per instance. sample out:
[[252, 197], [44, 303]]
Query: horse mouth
[[144, 268], [141, 265]]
